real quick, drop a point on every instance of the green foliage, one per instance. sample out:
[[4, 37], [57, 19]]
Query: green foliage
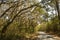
[[41, 10], [53, 26], [28, 22]]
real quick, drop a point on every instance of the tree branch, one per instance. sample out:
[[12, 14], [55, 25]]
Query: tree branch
[[19, 13], [9, 9]]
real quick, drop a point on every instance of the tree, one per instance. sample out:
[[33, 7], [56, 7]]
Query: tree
[[21, 11], [24, 16], [58, 8]]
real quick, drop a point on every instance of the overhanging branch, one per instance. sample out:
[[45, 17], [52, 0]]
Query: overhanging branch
[[19, 13]]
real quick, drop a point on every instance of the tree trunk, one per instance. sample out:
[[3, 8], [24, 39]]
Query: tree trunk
[[58, 8]]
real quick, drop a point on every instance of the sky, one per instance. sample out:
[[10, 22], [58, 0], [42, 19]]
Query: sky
[[39, 0]]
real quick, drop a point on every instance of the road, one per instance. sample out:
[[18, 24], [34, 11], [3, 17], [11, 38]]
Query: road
[[45, 36]]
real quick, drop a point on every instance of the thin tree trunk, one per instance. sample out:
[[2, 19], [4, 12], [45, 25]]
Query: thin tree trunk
[[58, 8]]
